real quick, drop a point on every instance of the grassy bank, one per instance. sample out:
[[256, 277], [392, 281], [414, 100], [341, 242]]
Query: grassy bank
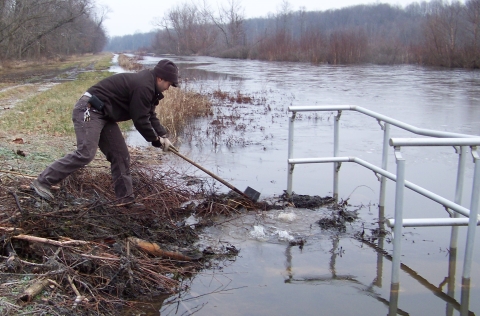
[[49, 112], [35, 120]]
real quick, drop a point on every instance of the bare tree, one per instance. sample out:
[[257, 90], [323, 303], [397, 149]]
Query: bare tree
[[472, 49], [436, 33], [441, 34], [230, 23], [38, 27], [348, 46], [188, 27]]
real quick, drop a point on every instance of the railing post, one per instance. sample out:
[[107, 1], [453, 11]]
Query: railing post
[[472, 223], [397, 229], [452, 262], [291, 125], [472, 226], [383, 179], [462, 153], [336, 165]]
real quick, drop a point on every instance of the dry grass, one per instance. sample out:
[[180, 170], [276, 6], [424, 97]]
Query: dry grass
[[10, 95], [129, 63], [180, 107], [60, 62]]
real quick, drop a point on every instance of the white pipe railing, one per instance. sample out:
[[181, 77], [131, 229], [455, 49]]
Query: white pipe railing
[[459, 141], [432, 196], [402, 142], [380, 117], [428, 222]]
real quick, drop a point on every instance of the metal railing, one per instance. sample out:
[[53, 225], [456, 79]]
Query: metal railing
[[459, 141]]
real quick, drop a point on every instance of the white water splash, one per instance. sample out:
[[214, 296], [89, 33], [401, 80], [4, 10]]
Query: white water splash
[[258, 232], [287, 217], [284, 235]]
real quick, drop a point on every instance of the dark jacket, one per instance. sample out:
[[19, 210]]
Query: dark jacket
[[132, 96]]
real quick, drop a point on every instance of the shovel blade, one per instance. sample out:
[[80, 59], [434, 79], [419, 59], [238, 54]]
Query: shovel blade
[[252, 194]]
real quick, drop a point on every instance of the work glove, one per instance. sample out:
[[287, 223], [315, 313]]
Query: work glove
[[164, 143]]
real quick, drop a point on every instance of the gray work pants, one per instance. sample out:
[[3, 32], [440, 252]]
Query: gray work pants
[[98, 132]]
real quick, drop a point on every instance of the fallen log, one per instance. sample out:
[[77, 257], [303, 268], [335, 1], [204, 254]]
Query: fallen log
[[11, 229], [50, 241], [33, 290], [155, 250]]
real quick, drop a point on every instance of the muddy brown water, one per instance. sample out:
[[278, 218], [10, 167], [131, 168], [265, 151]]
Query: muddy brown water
[[333, 273]]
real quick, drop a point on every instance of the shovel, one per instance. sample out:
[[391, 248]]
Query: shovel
[[249, 193]]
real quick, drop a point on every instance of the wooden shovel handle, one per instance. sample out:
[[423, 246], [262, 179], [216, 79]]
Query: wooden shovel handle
[[209, 173]]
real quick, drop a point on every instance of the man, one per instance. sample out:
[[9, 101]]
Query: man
[[120, 97]]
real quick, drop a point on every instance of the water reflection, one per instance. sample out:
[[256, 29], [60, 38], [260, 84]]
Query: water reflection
[[395, 294], [448, 297], [366, 289], [217, 290]]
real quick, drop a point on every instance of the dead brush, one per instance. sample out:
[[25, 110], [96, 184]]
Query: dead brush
[[180, 107], [129, 63], [79, 249]]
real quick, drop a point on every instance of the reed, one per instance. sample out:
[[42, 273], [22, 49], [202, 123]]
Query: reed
[[129, 63], [180, 107]]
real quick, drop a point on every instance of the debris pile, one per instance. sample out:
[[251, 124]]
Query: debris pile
[[307, 201], [339, 217], [87, 253]]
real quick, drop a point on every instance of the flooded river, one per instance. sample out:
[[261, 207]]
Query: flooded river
[[333, 273]]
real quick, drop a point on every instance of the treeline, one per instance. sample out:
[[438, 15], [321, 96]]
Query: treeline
[[46, 28], [429, 33], [132, 42]]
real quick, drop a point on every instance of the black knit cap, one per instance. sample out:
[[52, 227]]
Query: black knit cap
[[167, 70]]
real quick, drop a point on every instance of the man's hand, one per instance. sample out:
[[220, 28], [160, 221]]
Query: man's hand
[[164, 143]]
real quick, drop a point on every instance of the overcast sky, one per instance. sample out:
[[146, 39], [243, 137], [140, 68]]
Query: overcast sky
[[132, 16]]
